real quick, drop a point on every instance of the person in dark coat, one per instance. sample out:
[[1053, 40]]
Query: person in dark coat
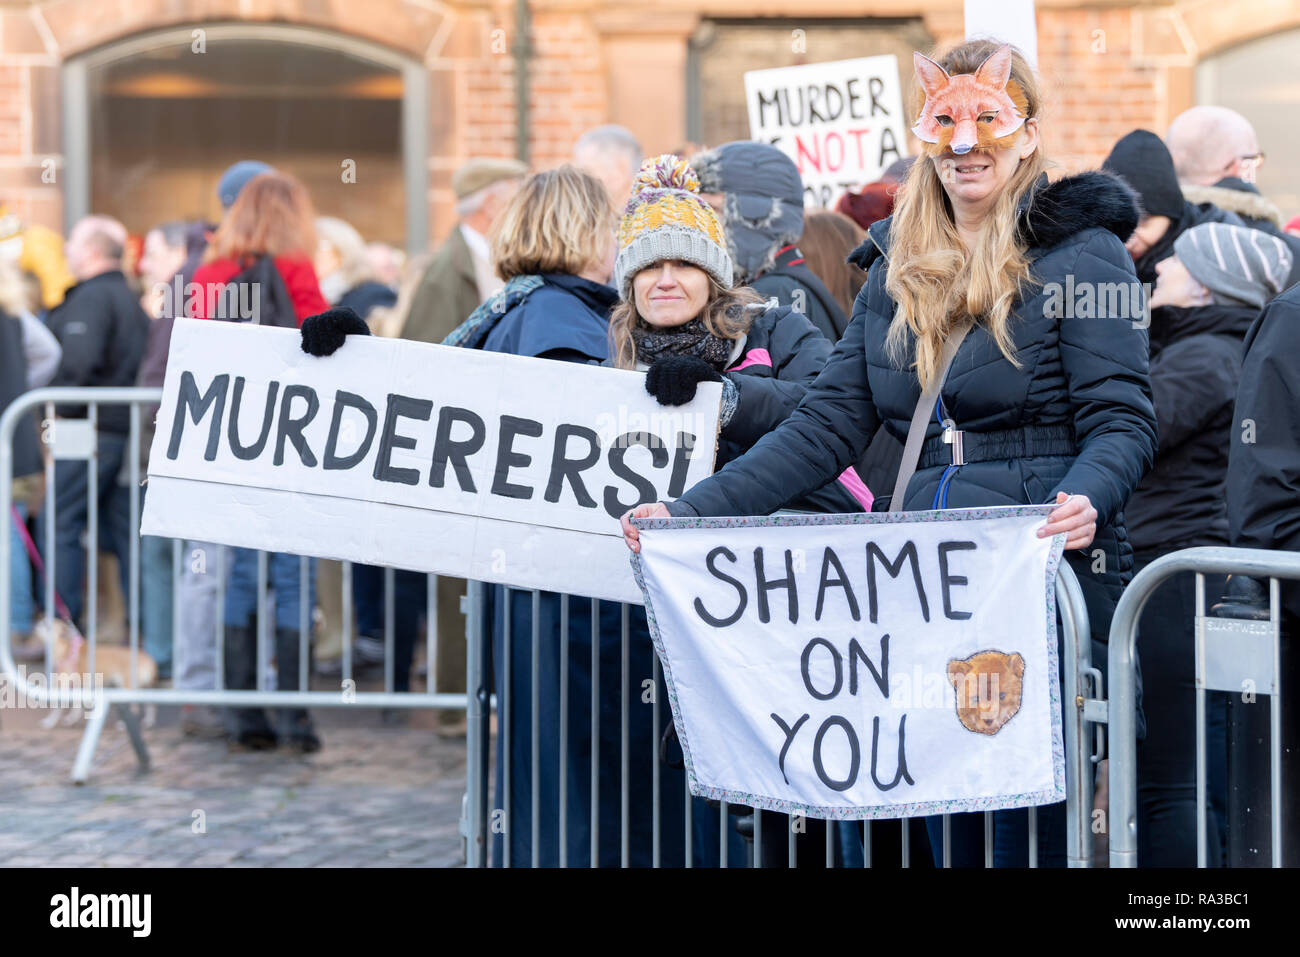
[[1220, 278], [1263, 483], [1142, 160], [757, 191], [1076, 399], [103, 332]]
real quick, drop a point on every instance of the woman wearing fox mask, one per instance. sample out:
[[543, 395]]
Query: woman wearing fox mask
[[1052, 407]]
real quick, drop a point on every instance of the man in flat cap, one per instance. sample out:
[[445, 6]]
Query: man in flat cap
[[460, 276]]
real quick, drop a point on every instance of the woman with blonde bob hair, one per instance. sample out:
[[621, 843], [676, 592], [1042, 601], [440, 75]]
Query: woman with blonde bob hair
[[1052, 403]]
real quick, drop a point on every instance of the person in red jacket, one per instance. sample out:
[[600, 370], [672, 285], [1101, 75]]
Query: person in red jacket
[[272, 218], [259, 268]]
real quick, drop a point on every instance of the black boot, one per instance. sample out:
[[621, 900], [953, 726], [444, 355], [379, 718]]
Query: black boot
[[247, 727], [295, 724]]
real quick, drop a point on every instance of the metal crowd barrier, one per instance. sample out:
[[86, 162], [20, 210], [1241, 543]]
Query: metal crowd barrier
[[483, 822], [68, 439], [1227, 652]]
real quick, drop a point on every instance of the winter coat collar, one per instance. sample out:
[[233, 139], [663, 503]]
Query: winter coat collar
[[1049, 214], [1236, 199], [596, 295]]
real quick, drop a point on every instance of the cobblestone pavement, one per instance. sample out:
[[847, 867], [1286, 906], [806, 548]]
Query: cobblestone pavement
[[374, 796]]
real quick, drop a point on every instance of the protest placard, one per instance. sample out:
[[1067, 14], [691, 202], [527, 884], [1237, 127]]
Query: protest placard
[[841, 122], [476, 464], [861, 666]]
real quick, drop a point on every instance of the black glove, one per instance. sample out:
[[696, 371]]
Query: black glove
[[672, 379], [324, 333]]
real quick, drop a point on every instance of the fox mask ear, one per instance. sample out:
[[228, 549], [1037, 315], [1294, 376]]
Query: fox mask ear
[[996, 68], [933, 78]]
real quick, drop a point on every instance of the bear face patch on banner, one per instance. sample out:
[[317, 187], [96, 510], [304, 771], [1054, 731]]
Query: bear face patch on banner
[[861, 666]]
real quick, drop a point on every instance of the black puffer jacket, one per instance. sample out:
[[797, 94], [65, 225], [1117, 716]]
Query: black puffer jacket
[[1195, 366], [792, 284], [1080, 376], [1264, 462]]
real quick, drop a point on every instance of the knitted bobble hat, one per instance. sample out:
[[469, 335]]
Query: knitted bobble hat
[[666, 219]]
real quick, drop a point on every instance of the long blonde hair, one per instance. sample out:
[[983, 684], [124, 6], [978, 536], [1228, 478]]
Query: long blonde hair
[[726, 315], [933, 279]]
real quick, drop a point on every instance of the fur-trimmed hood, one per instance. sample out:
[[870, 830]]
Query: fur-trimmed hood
[[1245, 203], [1049, 214]]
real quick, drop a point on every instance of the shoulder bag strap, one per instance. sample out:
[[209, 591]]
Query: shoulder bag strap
[[921, 417]]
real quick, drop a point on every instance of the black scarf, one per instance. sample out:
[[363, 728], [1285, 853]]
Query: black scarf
[[688, 339]]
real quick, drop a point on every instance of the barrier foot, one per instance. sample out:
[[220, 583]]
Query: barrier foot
[[89, 741], [133, 729]]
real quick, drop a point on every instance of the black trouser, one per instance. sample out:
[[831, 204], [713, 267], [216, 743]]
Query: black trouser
[[1166, 759]]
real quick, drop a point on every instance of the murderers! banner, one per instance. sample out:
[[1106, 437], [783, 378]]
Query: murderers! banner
[[841, 122], [861, 666], [432, 458]]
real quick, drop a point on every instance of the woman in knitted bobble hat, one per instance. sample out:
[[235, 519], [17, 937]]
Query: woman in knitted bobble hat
[[682, 321]]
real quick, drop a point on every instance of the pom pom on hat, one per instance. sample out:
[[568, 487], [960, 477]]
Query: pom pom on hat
[[666, 171]]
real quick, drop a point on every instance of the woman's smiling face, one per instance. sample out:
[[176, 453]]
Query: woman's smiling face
[[981, 174], [670, 293]]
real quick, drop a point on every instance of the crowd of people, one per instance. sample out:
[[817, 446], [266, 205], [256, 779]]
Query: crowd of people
[[825, 328]]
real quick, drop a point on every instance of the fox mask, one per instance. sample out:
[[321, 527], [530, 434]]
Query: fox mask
[[969, 111]]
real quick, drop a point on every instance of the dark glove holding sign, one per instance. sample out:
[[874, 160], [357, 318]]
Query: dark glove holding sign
[[673, 379], [323, 334]]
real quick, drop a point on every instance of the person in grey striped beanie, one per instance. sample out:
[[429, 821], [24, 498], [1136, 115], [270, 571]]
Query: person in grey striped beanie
[[1231, 265], [1208, 293]]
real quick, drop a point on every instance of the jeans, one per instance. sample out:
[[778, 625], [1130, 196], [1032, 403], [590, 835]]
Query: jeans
[[283, 576], [21, 605], [1166, 760], [156, 599], [72, 483]]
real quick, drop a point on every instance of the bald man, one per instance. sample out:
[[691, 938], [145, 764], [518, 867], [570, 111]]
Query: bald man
[[1217, 157], [102, 330]]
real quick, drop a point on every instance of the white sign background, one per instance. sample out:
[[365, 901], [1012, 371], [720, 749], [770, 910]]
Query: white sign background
[[859, 107], [349, 514], [725, 683]]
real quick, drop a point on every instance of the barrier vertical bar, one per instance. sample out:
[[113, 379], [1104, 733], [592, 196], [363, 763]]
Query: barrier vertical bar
[[654, 757], [219, 619], [51, 553], [907, 845], [1202, 823], [758, 838], [477, 708], [92, 549], [690, 837], [623, 749], [263, 658], [988, 839], [535, 686], [1076, 663], [177, 559], [866, 841], [304, 621], [431, 633], [564, 730], [505, 711], [947, 840], [1275, 719], [133, 548], [347, 623], [390, 600], [1033, 836], [595, 732]]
